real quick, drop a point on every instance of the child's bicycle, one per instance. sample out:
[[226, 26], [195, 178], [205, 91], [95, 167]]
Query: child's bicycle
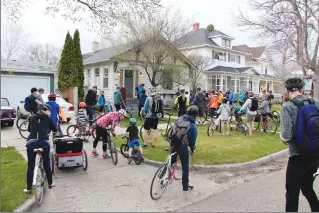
[[73, 130], [136, 154], [214, 125], [238, 124]]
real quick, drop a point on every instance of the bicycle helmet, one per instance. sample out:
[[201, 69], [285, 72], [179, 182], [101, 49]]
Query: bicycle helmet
[[82, 105], [123, 112], [192, 111], [294, 84], [52, 97], [133, 121]]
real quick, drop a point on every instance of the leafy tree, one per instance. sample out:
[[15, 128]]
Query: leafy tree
[[66, 66], [210, 28], [78, 79]]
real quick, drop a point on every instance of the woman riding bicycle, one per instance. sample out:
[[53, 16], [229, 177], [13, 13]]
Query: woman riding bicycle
[[184, 134], [40, 126]]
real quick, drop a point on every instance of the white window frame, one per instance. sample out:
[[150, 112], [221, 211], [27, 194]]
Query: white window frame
[[232, 58], [238, 59], [97, 77], [105, 78], [89, 78]]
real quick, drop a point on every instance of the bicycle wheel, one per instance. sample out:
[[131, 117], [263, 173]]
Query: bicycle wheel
[[276, 115], [211, 129], [167, 132], [137, 157], [52, 162], [113, 152], [124, 150], [243, 129], [162, 174], [204, 117], [39, 191], [19, 121], [72, 130], [272, 126], [84, 160], [23, 129], [233, 125]]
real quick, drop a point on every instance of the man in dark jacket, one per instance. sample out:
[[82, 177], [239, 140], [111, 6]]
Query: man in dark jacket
[[200, 102], [90, 101], [141, 102]]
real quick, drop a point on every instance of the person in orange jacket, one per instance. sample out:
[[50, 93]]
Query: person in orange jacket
[[213, 105]]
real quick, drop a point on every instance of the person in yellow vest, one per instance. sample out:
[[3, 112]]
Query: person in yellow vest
[[220, 98], [182, 103]]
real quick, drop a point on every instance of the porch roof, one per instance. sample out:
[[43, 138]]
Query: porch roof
[[232, 69]]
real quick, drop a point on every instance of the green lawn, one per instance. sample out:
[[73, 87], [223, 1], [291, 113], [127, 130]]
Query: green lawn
[[13, 179], [217, 149], [276, 107]]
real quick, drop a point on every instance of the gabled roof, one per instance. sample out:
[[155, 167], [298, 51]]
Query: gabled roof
[[31, 66], [231, 69], [254, 52], [196, 38]]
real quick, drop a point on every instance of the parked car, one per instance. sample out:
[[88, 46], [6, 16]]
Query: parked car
[[8, 113], [67, 107]]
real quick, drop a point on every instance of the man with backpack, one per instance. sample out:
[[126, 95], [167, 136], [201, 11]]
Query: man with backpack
[[31, 102], [251, 106], [153, 107], [300, 131]]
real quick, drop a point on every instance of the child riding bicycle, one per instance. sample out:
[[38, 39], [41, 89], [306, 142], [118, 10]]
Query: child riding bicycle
[[83, 118], [134, 139], [264, 110]]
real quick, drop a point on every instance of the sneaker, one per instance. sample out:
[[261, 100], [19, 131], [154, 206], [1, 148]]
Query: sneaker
[[129, 160], [51, 186], [144, 145], [105, 156], [27, 191], [95, 154]]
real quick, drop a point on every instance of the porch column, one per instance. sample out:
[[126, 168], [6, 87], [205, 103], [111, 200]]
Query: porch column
[[221, 83], [247, 83], [236, 85]]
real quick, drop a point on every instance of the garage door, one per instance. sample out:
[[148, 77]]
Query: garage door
[[16, 88]]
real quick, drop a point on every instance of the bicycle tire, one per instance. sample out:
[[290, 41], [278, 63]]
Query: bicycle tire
[[204, 118], [276, 115], [84, 160], [272, 121], [39, 195], [159, 170], [52, 162], [19, 123], [22, 130], [137, 157], [167, 133], [211, 129], [124, 148], [243, 129], [141, 133], [113, 152], [70, 129]]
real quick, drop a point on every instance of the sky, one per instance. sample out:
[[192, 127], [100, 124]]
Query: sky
[[47, 29]]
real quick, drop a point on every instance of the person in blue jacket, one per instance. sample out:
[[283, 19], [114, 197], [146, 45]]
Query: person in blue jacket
[[141, 102], [184, 134], [241, 98], [101, 101], [231, 97], [54, 111]]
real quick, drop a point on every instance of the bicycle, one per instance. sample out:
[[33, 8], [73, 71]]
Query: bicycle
[[166, 134], [73, 129], [112, 148], [123, 106], [136, 154], [269, 123], [23, 118], [166, 174], [143, 114], [238, 124], [39, 177], [214, 125], [276, 115]]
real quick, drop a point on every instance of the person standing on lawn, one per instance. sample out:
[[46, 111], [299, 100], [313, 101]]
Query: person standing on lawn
[[141, 102], [231, 97], [182, 103], [270, 98], [117, 97], [213, 105], [224, 111], [298, 134], [220, 98], [101, 101], [251, 106], [200, 102]]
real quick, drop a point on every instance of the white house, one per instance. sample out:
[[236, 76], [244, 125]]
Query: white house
[[231, 67]]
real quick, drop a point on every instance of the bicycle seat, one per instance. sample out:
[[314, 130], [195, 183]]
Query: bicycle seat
[[38, 150]]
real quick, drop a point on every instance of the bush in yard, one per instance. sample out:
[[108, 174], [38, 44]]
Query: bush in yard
[[78, 79]]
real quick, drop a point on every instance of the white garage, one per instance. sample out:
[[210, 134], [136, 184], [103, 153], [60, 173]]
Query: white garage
[[17, 79]]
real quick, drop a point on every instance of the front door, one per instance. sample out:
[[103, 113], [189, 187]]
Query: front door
[[128, 83]]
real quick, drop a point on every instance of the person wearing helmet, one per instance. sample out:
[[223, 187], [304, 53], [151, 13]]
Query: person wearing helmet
[[40, 126], [134, 139], [83, 118], [110, 119], [182, 103], [300, 168], [55, 108], [184, 134]]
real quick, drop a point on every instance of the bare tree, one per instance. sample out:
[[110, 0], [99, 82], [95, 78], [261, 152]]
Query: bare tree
[[103, 14], [154, 46], [13, 39], [291, 25], [46, 53]]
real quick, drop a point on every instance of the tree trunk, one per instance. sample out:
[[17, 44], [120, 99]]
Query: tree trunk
[[316, 86]]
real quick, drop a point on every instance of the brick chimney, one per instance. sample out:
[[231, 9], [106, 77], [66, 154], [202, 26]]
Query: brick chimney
[[195, 26], [95, 46]]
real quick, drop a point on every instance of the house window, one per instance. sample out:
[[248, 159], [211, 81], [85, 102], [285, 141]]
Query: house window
[[243, 84], [89, 78], [168, 83], [221, 56], [238, 59], [266, 67], [228, 57], [218, 83], [106, 78], [226, 42], [224, 56], [224, 83], [232, 58], [97, 72], [213, 54], [97, 77]]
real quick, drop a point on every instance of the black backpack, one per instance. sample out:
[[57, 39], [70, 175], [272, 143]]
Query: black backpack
[[157, 105], [254, 104]]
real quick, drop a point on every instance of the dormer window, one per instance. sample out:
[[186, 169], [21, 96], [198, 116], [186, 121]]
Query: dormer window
[[226, 42]]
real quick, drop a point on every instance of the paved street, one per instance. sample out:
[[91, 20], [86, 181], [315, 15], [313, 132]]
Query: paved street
[[105, 187]]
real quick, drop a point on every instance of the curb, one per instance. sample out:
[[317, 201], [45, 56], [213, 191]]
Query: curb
[[26, 206], [230, 167]]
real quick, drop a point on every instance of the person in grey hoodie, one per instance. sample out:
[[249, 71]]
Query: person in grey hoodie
[[39, 95], [200, 102], [264, 110]]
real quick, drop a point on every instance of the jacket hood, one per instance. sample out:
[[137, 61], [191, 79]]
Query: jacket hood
[[189, 118]]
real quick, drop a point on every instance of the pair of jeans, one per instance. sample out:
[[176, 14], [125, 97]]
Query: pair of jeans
[[182, 152], [90, 112], [31, 161], [299, 176]]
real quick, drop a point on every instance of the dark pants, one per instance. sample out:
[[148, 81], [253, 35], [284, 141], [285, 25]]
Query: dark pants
[[139, 110], [90, 112], [101, 108], [184, 158], [117, 107], [31, 161], [181, 112], [100, 133], [299, 176]]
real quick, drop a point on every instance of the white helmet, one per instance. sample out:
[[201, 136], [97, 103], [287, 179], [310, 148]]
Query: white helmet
[[123, 112]]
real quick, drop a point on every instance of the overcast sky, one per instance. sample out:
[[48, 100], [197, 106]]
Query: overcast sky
[[45, 28]]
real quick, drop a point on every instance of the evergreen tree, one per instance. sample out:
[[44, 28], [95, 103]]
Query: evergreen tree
[[66, 66], [210, 28], [78, 60]]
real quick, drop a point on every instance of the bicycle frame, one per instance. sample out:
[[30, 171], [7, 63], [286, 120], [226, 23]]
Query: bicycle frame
[[35, 172], [169, 161]]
